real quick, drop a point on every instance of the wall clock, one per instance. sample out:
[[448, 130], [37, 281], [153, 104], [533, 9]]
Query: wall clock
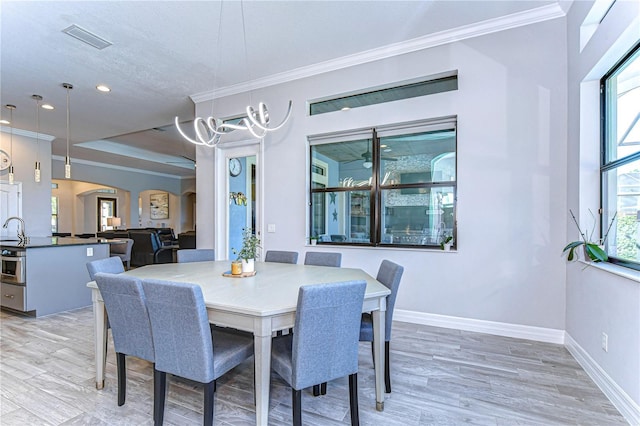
[[235, 167], [5, 160]]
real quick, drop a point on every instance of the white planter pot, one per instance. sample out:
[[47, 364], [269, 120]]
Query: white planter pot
[[447, 246], [248, 265], [314, 242]]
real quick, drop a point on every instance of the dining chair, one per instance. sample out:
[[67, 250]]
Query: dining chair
[[324, 345], [323, 258], [123, 250], [184, 344], [389, 274], [124, 301], [279, 256], [112, 265], [195, 255]]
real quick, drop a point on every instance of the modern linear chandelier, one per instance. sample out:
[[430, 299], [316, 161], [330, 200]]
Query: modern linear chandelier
[[208, 131]]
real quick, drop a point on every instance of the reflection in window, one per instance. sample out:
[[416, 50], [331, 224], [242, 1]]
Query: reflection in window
[[387, 186], [620, 171]]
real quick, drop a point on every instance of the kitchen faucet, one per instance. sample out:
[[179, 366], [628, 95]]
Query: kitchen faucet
[[22, 237]]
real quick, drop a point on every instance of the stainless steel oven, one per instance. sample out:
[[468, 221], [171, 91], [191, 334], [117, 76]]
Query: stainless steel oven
[[14, 266]]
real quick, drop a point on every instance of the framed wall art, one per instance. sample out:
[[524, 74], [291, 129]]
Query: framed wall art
[[159, 204]]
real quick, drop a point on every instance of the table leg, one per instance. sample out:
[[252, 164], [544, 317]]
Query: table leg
[[378, 343], [262, 360], [100, 331]]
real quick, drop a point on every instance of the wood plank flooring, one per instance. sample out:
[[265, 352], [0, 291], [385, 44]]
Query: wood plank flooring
[[439, 377]]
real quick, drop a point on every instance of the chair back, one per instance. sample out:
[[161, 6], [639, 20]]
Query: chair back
[[112, 265], [323, 259], [325, 338], [124, 300], [390, 274], [143, 247], [279, 256], [181, 333], [122, 250], [195, 255]]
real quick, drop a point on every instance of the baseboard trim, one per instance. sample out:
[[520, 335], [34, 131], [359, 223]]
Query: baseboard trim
[[618, 397], [540, 334]]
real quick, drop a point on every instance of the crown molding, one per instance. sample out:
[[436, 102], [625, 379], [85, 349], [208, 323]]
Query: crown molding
[[115, 167], [28, 133], [490, 26]]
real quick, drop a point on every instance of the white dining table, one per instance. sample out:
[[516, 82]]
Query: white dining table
[[262, 305]]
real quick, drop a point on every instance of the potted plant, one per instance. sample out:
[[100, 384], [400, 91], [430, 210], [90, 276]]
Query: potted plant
[[593, 249], [249, 250], [313, 240], [446, 242]]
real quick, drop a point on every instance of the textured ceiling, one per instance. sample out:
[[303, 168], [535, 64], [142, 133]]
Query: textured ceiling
[[165, 51]]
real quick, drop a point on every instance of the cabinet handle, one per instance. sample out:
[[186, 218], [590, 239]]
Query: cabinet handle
[[10, 296]]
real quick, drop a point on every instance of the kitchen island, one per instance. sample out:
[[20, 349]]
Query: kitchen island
[[53, 274]]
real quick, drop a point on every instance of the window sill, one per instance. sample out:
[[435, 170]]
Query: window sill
[[621, 271], [368, 247]]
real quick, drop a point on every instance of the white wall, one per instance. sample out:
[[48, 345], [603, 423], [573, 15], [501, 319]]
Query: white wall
[[598, 300], [511, 108]]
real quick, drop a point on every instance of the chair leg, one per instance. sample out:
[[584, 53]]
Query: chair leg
[[320, 389], [121, 364], [209, 391], [159, 392], [296, 404], [387, 373], [353, 399]]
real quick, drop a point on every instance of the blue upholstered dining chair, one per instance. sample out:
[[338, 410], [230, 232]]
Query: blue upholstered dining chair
[[184, 344], [324, 345], [111, 265], [389, 274], [125, 303], [278, 256], [195, 255], [323, 259]]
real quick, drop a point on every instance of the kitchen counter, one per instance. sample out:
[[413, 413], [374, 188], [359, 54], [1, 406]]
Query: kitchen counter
[[56, 274], [38, 242]]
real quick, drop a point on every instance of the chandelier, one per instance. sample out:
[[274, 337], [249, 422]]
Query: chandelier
[[208, 131]]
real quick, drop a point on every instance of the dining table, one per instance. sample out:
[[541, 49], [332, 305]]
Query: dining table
[[262, 304]]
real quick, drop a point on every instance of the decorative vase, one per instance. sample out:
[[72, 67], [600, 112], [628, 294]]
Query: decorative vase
[[248, 265]]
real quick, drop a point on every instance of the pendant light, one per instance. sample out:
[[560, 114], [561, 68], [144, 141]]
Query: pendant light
[[67, 160], [11, 108], [36, 173]]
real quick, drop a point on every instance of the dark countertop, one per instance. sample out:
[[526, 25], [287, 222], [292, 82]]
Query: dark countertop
[[38, 242]]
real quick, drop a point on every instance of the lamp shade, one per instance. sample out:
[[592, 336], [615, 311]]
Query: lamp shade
[[114, 221]]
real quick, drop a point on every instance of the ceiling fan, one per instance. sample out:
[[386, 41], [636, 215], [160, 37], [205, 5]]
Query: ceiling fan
[[367, 156]]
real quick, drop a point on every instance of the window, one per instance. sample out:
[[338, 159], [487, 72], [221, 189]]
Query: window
[[620, 170], [444, 82], [388, 186]]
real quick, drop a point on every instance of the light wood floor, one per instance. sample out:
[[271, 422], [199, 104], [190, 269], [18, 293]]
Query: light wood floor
[[439, 377]]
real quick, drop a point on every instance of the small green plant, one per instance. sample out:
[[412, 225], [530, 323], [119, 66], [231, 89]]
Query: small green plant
[[250, 245], [592, 247], [446, 239]]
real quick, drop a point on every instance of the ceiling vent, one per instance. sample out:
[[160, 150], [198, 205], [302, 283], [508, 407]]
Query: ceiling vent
[[89, 38]]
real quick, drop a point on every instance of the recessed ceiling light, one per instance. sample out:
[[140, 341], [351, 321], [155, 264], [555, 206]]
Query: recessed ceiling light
[[103, 88], [345, 109], [5, 122], [47, 106]]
